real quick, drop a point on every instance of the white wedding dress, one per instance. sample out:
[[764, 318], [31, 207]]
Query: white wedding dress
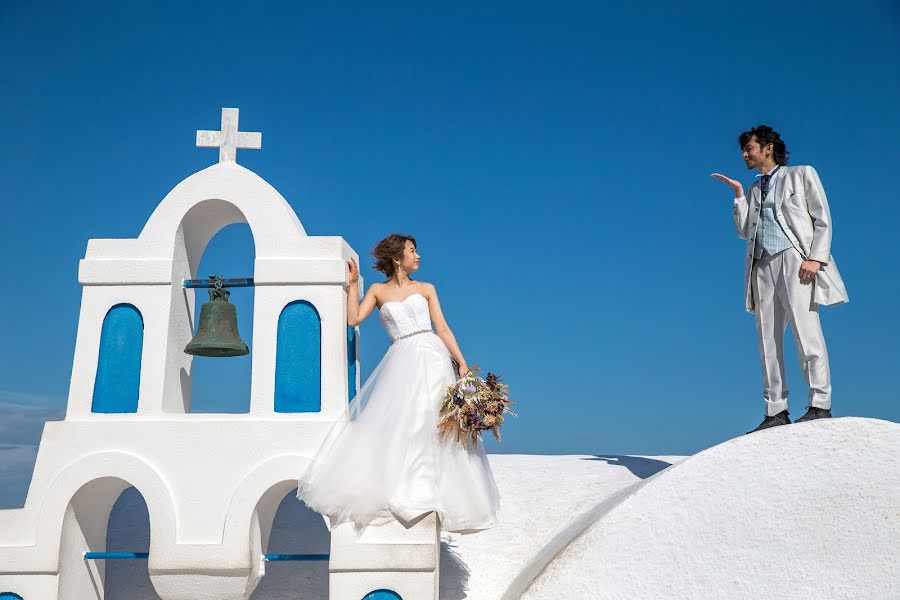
[[385, 460]]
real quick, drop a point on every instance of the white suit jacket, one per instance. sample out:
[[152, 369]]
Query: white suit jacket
[[802, 210]]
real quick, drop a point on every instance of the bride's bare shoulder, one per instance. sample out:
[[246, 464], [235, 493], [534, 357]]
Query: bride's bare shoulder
[[376, 289], [427, 289]]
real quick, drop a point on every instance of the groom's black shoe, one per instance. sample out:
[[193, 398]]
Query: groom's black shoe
[[813, 413], [773, 421]]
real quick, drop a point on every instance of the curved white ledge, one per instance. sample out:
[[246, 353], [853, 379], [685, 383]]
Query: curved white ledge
[[809, 510]]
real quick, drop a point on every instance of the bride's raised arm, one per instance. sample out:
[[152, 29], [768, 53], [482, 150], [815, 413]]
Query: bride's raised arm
[[357, 311], [442, 329]]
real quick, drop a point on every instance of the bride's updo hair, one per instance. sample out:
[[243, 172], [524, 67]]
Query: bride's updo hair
[[387, 250]]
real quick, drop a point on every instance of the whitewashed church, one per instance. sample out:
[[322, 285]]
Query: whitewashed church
[[211, 483], [591, 526]]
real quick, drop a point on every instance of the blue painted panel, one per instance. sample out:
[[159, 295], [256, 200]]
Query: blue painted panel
[[298, 362], [382, 595], [119, 363], [351, 363]]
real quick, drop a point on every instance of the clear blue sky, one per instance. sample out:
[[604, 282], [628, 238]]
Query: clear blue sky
[[552, 159]]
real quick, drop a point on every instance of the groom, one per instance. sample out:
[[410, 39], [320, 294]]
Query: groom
[[788, 269]]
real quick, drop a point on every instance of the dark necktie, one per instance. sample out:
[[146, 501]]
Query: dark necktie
[[764, 183]]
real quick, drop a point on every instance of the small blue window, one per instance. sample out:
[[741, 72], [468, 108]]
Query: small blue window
[[351, 363], [298, 360], [382, 595], [118, 378]]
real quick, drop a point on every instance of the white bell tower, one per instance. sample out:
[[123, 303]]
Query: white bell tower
[[211, 482]]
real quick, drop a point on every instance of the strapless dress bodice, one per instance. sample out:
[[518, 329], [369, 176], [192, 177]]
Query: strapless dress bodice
[[406, 317]]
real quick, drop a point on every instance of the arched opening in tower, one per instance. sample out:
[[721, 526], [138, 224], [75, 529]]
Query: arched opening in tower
[[296, 530], [222, 385], [128, 531]]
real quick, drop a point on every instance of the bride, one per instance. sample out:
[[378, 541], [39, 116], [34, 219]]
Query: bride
[[385, 460]]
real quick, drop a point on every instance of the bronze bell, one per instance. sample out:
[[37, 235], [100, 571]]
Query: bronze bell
[[217, 333]]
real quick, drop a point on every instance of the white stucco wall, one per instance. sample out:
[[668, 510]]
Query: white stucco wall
[[546, 501], [148, 273], [810, 510]]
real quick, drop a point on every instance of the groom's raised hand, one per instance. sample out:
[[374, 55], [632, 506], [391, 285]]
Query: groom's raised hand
[[734, 184]]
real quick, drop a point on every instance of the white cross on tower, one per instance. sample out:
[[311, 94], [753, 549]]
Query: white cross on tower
[[229, 139]]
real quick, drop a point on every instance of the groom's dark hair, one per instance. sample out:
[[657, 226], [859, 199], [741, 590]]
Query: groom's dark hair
[[766, 135]]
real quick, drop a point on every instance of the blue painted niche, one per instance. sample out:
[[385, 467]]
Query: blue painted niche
[[351, 363], [382, 595], [118, 377], [10, 596], [298, 359]]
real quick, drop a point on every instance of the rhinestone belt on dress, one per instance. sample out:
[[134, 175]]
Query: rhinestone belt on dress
[[410, 334]]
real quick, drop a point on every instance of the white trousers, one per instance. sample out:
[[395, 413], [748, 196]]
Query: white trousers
[[780, 298]]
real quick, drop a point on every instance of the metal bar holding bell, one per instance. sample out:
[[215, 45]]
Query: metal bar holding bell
[[145, 555], [207, 283]]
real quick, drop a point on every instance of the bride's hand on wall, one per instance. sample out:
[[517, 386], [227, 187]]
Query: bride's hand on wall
[[353, 275]]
